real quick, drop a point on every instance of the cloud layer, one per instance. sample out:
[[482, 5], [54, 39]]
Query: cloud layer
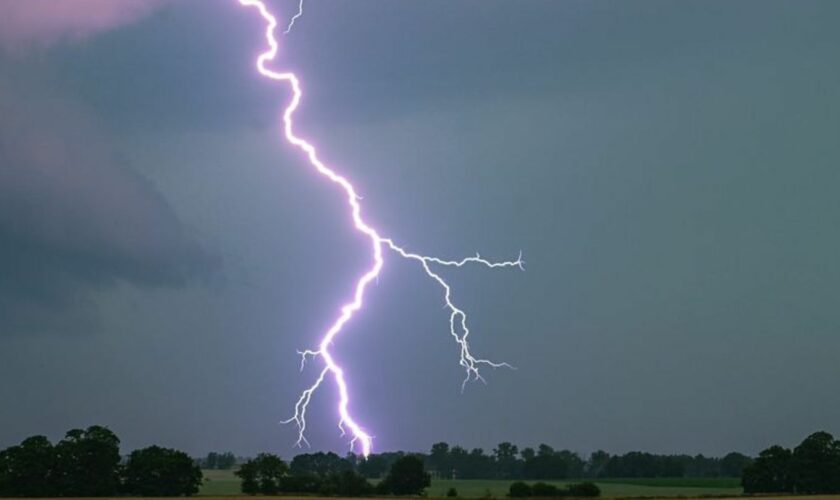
[[43, 22]]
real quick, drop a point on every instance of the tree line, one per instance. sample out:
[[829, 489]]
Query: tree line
[[218, 461], [87, 463], [508, 461], [327, 474]]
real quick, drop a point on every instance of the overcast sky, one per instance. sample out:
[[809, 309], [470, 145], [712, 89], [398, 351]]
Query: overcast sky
[[669, 169]]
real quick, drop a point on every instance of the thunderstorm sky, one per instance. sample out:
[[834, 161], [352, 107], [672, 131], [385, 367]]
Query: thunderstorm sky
[[669, 169]]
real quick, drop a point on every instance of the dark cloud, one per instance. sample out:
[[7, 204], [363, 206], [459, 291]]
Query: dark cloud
[[73, 216]]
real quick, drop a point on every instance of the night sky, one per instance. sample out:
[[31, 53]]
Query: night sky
[[668, 168]]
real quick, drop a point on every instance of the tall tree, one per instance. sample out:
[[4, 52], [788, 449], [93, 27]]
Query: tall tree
[[507, 465], [87, 463], [439, 460], [160, 472], [27, 470], [406, 477], [816, 465], [377, 465], [319, 464], [597, 463], [770, 472], [733, 464], [263, 474]]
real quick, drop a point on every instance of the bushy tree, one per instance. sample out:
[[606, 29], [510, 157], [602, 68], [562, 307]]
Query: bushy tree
[[28, 469], [378, 464], [597, 464], [263, 474], [160, 472], [585, 489], [319, 464], [346, 484], [641, 464], [406, 477], [733, 464], [439, 460], [87, 463], [210, 461], [550, 464], [519, 489], [219, 461], [816, 465], [544, 490], [507, 465], [770, 472]]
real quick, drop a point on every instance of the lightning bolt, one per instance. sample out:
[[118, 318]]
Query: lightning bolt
[[294, 18], [457, 318]]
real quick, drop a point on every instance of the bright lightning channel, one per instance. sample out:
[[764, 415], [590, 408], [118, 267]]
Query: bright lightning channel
[[457, 318]]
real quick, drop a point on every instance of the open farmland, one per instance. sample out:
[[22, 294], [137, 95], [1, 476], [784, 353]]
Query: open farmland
[[225, 483]]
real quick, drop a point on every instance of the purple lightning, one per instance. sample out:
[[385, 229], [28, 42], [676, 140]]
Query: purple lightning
[[457, 318]]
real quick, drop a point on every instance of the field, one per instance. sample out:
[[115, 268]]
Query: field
[[609, 488], [225, 483]]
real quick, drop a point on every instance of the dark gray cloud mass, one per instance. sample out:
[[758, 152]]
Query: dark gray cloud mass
[[73, 216], [668, 168]]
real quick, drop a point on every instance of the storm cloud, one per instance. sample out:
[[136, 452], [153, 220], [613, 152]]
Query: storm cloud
[[668, 170], [74, 216]]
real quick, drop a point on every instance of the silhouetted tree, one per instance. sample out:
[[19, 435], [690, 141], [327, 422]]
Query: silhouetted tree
[[507, 465], [549, 464], [733, 464], [639, 464], [28, 469], [527, 454], [439, 460], [377, 465], [87, 463], [263, 474], [210, 461], [585, 489], [572, 463], [406, 477], [544, 490], [347, 483], [519, 489], [770, 472], [816, 465], [160, 472], [219, 461], [597, 464], [319, 464]]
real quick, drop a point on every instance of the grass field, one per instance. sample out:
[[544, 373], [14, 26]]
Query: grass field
[[609, 488], [225, 483], [224, 497], [219, 482]]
